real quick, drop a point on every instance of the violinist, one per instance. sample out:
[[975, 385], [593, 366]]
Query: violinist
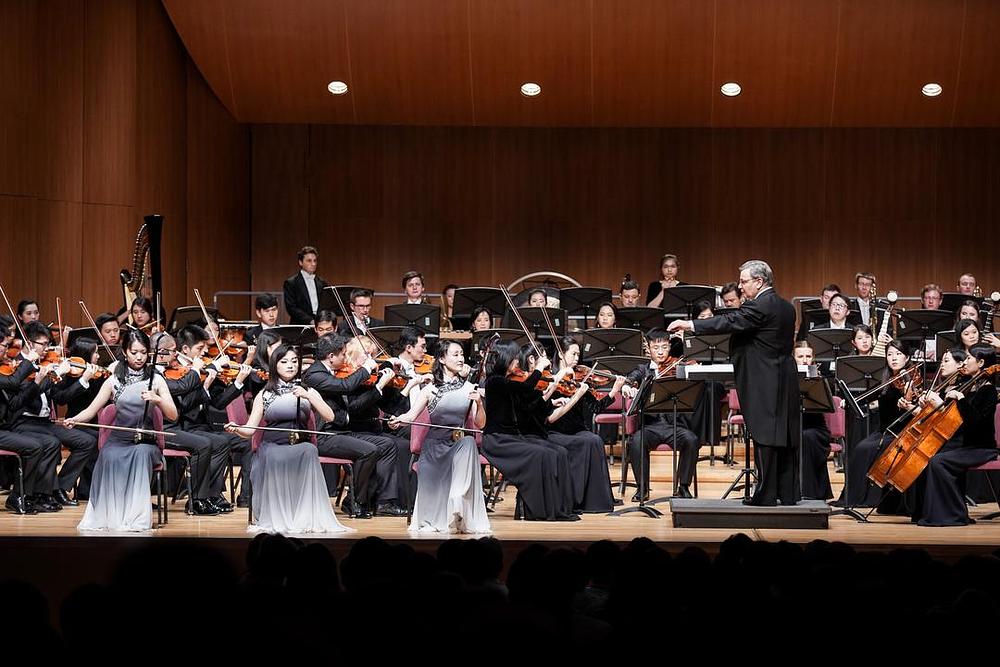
[[730, 295], [574, 430], [939, 492], [629, 293], [31, 415], [39, 457], [143, 317], [661, 429], [361, 307], [668, 278], [180, 361], [514, 438], [326, 323], [374, 456], [607, 316], [27, 311], [448, 306], [815, 440], [303, 289], [896, 398], [119, 499], [77, 392], [413, 286], [481, 319], [259, 359], [266, 307], [108, 329], [396, 400]]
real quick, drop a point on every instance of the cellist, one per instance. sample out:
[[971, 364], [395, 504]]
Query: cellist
[[939, 492]]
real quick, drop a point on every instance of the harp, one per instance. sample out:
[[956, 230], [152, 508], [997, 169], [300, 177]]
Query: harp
[[145, 262]]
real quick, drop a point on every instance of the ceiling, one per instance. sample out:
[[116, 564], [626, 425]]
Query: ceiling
[[801, 63]]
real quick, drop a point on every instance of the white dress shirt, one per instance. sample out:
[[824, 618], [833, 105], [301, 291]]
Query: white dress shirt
[[310, 279]]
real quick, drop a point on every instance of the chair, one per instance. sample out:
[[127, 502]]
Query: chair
[[346, 464], [836, 424], [614, 414], [992, 466], [236, 412], [106, 417], [20, 469], [418, 434], [734, 422]]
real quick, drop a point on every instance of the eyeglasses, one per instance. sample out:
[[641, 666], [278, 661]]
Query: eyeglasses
[[744, 282], [838, 306]]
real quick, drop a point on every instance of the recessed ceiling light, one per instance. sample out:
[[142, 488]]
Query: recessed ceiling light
[[337, 87], [931, 89], [731, 89], [530, 89]]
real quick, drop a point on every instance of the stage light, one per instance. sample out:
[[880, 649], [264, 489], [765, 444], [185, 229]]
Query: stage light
[[337, 87], [931, 89], [530, 89], [731, 89]]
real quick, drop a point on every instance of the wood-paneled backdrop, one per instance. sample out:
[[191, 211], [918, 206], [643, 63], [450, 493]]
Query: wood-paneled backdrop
[[478, 206], [104, 119]]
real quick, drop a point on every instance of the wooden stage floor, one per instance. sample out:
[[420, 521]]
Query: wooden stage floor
[[881, 533]]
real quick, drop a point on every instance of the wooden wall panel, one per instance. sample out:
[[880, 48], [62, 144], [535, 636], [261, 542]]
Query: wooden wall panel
[[109, 112], [977, 102], [60, 271], [110, 235], [18, 97], [819, 204]]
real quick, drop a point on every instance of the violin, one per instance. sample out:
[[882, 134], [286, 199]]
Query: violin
[[520, 375], [229, 373], [14, 350], [424, 366], [909, 385], [668, 367], [347, 370]]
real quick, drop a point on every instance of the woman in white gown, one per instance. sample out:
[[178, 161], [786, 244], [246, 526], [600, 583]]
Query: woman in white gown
[[119, 492], [449, 483], [289, 490]]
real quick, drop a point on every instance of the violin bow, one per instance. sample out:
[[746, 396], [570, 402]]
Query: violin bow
[[17, 322], [520, 321], [90, 320], [62, 338], [204, 313]]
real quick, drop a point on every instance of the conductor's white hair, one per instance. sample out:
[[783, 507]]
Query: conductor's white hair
[[758, 268]]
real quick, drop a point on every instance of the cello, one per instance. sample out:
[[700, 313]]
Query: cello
[[902, 462]]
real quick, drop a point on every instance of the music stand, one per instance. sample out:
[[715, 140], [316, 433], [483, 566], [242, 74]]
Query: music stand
[[682, 299], [467, 299], [953, 301], [292, 334], [622, 364], [859, 412], [673, 395], [583, 301], [328, 302], [598, 343], [830, 344], [707, 347], [810, 304], [860, 373], [426, 317], [944, 341], [83, 332], [923, 324], [535, 320], [185, 315], [387, 337], [515, 335], [640, 318], [307, 343]]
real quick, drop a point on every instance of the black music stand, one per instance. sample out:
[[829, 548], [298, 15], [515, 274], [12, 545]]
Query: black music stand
[[83, 332], [584, 301], [640, 318], [293, 334], [859, 374], [306, 342], [860, 412], [707, 347], [953, 301], [329, 302], [923, 325], [468, 299], [682, 299], [673, 395], [185, 315], [815, 397], [515, 335], [535, 320], [622, 364], [599, 343], [830, 344], [387, 337], [636, 409], [424, 316], [944, 341], [810, 304]]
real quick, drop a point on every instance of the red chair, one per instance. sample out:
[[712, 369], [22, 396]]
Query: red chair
[[992, 466], [236, 412], [346, 464], [836, 423], [734, 422], [106, 417], [615, 414], [20, 470], [418, 434]]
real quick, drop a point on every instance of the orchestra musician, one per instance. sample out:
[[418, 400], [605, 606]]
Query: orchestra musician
[[537, 299], [413, 287], [482, 319], [266, 307], [27, 312], [967, 284], [815, 440], [930, 297], [629, 293], [668, 278], [109, 329], [863, 283], [968, 310], [969, 334], [303, 289], [730, 295], [361, 306], [448, 306], [607, 316]]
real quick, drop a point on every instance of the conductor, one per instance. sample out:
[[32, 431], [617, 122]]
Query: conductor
[[763, 333]]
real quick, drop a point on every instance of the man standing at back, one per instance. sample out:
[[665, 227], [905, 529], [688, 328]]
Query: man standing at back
[[763, 331], [303, 289]]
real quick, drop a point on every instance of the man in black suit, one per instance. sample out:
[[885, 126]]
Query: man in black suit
[[266, 306], [360, 305], [763, 332], [303, 289]]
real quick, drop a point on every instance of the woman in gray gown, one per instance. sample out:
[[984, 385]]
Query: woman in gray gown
[[449, 483], [289, 490], [119, 491]]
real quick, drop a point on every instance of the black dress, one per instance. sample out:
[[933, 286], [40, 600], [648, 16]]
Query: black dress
[[939, 492], [588, 465], [514, 442], [815, 450]]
